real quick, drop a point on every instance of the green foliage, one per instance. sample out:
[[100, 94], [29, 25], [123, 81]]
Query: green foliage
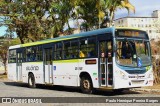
[[5, 43], [34, 20]]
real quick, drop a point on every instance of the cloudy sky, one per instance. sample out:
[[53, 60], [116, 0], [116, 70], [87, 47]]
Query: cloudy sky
[[142, 7]]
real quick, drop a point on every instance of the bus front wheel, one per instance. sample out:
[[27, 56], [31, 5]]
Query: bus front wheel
[[31, 81], [86, 85]]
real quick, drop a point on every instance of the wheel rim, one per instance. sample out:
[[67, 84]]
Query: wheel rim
[[30, 81], [86, 84]]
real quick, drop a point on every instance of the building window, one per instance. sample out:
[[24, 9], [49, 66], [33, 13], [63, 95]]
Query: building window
[[146, 19], [121, 21]]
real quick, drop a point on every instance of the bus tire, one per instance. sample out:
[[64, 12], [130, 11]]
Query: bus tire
[[31, 81], [86, 85]]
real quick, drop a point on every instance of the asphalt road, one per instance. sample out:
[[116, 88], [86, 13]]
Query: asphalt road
[[14, 89]]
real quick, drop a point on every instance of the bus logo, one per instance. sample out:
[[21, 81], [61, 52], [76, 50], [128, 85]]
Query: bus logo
[[137, 76], [139, 62], [6, 100]]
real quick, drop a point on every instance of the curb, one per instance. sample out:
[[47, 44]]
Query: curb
[[146, 90]]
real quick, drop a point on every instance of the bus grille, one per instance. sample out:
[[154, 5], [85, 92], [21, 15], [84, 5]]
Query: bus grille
[[137, 81], [138, 77], [135, 71]]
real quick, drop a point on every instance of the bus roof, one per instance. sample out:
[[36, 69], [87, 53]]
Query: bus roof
[[83, 34], [15, 46]]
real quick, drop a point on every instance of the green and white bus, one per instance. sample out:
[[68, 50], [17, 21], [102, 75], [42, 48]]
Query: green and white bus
[[109, 58]]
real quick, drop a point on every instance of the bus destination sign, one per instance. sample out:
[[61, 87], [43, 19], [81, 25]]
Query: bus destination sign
[[131, 33]]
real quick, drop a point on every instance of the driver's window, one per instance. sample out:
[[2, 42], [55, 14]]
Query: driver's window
[[126, 50], [123, 54]]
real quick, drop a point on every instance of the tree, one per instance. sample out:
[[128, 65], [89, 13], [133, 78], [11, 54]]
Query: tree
[[155, 49], [60, 13], [88, 12], [96, 13], [113, 5], [5, 43], [40, 19], [25, 17]]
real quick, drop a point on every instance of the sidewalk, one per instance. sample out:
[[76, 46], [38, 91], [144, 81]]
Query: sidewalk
[[2, 72], [154, 88]]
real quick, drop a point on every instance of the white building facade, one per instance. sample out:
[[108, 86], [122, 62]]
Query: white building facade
[[149, 24]]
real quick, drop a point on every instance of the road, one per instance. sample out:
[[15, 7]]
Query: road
[[14, 89], [2, 72]]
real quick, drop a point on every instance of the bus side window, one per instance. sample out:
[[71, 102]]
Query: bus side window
[[58, 51], [74, 49], [81, 54], [91, 47], [88, 47], [31, 54], [12, 56], [28, 56], [38, 55], [66, 54], [109, 51], [83, 48]]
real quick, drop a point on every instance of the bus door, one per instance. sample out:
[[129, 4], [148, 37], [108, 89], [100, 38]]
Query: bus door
[[19, 65], [48, 71], [105, 63]]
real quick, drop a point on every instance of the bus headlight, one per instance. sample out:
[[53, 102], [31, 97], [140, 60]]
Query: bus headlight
[[123, 76], [150, 75]]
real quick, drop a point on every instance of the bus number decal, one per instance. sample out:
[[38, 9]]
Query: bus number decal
[[78, 68]]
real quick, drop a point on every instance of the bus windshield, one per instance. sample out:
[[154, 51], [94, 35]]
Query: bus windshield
[[133, 53]]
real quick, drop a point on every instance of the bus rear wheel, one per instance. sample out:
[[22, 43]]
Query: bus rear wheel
[[31, 81], [86, 85]]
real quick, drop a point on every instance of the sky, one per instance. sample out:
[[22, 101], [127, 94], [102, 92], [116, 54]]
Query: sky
[[143, 8], [2, 30]]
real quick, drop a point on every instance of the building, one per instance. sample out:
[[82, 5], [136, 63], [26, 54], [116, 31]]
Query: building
[[149, 24]]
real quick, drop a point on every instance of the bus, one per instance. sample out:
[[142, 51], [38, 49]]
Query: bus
[[109, 58]]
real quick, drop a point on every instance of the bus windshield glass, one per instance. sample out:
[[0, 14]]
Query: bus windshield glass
[[133, 53]]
